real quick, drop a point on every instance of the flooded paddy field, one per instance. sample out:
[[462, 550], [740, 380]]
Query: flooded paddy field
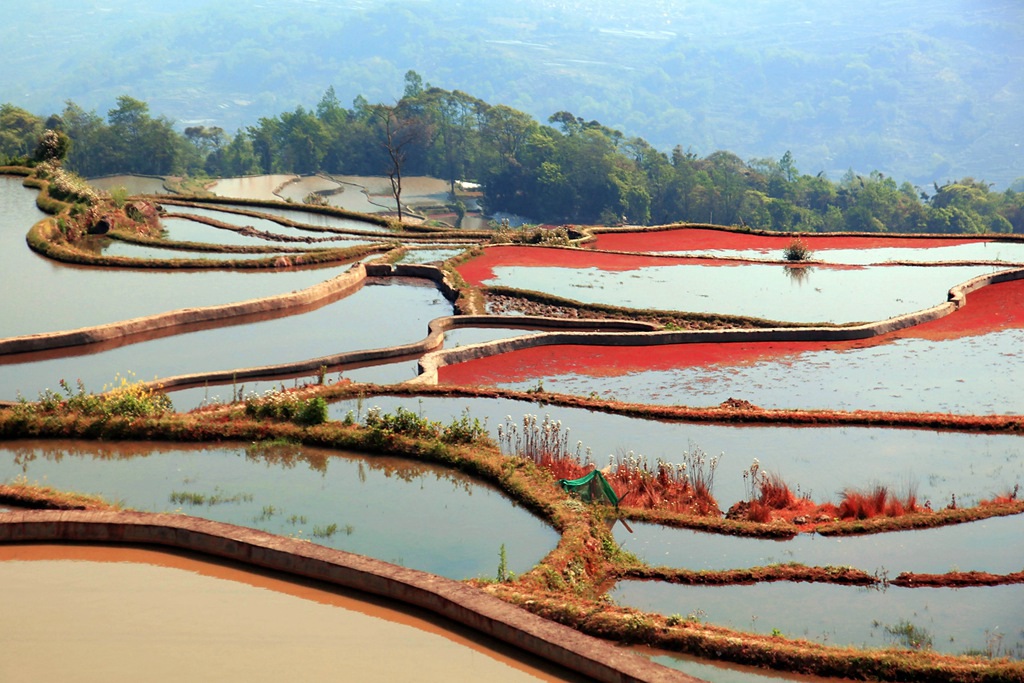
[[234, 624], [347, 324], [134, 184], [724, 672], [983, 546], [251, 187], [46, 296], [805, 294], [846, 250], [405, 512], [953, 621], [185, 230], [362, 194], [974, 375], [962, 363], [138, 251], [230, 214], [393, 509], [431, 255], [819, 461]]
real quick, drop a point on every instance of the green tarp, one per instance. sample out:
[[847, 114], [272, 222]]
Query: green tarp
[[591, 488]]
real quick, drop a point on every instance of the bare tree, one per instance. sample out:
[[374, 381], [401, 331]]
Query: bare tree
[[402, 132]]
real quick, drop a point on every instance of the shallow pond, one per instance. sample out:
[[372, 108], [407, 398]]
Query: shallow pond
[[128, 250], [185, 230], [970, 375], [953, 621], [134, 184], [235, 625], [988, 545], [430, 255], [251, 187], [1008, 252], [348, 324], [816, 461], [771, 292], [830, 248], [334, 223], [396, 510]]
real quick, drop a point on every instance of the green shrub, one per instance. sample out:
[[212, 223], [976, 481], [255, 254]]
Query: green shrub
[[312, 412], [280, 405], [465, 430], [119, 195], [462, 429], [125, 398], [798, 251]]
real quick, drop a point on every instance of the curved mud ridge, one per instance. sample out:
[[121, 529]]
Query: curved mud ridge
[[551, 331], [453, 600]]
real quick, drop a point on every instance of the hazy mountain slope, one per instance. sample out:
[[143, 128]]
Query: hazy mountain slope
[[921, 91]]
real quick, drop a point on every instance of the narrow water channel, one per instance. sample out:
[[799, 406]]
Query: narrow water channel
[[348, 324]]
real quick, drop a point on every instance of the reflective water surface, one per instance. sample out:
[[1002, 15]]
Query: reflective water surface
[[395, 510], [986, 545], [954, 621], [41, 295], [815, 461], [971, 375], [758, 290], [347, 324]]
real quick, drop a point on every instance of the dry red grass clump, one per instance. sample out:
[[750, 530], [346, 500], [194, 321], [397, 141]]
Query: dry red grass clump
[[876, 502], [686, 487]]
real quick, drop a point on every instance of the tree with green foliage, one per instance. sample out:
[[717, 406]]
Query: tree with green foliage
[[53, 145], [572, 169], [19, 133]]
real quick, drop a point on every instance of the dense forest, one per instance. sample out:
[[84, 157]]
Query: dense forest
[[567, 170]]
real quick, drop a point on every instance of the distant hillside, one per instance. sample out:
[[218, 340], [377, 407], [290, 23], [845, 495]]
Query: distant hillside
[[920, 91]]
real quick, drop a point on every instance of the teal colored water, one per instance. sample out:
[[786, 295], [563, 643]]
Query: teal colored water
[[400, 511], [951, 621]]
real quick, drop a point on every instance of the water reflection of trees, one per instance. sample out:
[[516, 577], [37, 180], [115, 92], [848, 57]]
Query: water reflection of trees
[[409, 471], [798, 274], [274, 454], [26, 453]]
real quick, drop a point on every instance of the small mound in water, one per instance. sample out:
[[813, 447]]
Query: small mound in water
[[737, 404]]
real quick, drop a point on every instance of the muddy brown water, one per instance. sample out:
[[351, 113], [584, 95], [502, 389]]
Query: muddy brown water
[[133, 614], [251, 187]]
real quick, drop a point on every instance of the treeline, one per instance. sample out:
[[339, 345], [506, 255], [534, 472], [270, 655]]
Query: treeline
[[570, 170]]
